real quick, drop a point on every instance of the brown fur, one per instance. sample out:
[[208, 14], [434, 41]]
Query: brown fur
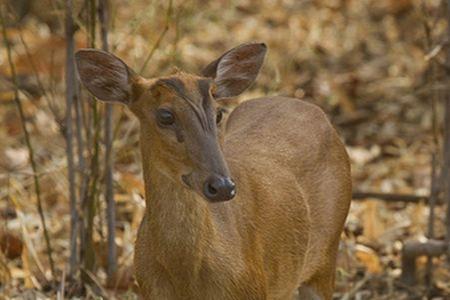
[[282, 229]]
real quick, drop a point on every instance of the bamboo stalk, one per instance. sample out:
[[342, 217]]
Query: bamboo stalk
[[431, 218], [430, 77], [108, 173], [446, 166], [70, 95], [92, 191]]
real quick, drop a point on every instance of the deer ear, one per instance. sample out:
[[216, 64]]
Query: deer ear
[[106, 76], [236, 69]]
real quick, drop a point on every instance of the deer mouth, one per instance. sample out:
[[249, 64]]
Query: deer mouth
[[186, 179]]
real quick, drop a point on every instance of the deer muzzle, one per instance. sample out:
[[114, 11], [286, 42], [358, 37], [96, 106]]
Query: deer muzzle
[[218, 188]]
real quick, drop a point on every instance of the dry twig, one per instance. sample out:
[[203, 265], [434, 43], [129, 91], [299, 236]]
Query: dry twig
[[391, 197], [160, 38], [70, 95]]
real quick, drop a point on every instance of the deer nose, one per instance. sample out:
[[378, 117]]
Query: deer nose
[[218, 188]]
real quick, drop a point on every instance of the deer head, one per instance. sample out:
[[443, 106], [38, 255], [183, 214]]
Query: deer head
[[178, 114]]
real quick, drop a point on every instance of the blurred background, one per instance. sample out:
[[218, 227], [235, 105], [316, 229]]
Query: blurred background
[[69, 212]]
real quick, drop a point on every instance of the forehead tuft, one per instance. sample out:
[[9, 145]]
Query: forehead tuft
[[188, 80]]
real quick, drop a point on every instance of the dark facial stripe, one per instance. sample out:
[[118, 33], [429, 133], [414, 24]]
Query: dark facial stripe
[[178, 86], [203, 87]]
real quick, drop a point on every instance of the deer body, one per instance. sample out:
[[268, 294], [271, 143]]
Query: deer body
[[282, 228]]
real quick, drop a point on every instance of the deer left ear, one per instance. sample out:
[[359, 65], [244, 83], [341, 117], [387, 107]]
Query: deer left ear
[[236, 69], [106, 76]]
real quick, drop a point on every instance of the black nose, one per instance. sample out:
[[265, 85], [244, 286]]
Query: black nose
[[219, 188]]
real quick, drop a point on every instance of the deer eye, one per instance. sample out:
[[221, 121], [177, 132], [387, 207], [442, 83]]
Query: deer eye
[[219, 116], [165, 117]]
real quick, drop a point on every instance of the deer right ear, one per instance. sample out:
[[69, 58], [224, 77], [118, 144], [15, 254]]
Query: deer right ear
[[106, 76], [236, 69]]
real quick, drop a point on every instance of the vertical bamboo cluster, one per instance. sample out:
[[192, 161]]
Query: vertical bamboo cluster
[[83, 133]]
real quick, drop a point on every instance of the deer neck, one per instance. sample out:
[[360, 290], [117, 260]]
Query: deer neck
[[178, 221]]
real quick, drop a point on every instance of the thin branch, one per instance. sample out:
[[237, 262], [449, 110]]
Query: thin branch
[[28, 143], [50, 101], [109, 193], [160, 38], [445, 177], [89, 205], [390, 197], [431, 218], [70, 95], [360, 284], [430, 77], [132, 26]]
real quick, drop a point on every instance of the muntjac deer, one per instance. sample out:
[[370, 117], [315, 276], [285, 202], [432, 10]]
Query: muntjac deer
[[250, 208]]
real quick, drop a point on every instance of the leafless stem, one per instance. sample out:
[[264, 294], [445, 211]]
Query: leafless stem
[[50, 101], [29, 145], [79, 134], [430, 77], [109, 194], [89, 205], [83, 179], [356, 287], [70, 95], [445, 168], [391, 197], [432, 204]]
